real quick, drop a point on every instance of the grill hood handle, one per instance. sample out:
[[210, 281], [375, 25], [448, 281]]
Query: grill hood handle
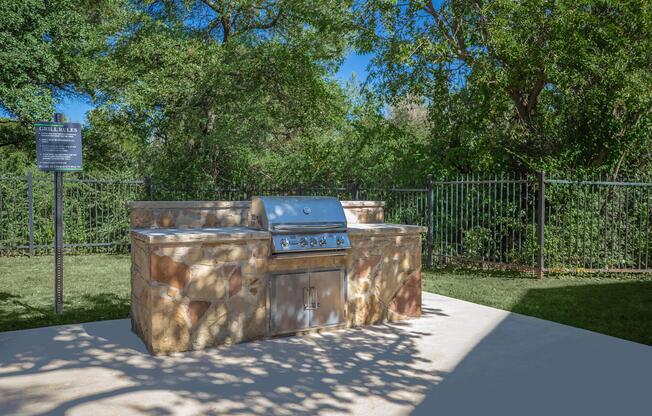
[[293, 228]]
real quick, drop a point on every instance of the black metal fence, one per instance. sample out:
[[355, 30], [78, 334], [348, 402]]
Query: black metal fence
[[95, 216], [484, 220], [528, 222]]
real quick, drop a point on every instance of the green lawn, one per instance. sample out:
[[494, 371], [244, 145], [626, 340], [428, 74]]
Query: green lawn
[[620, 306], [94, 288], [97, 287]]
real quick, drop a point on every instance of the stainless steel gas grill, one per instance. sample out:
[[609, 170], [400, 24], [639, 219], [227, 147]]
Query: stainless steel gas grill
[[301, 223], [307, 226], [244, 270]]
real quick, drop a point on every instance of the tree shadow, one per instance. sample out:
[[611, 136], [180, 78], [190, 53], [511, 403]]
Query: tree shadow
[[622, 309], [425, 310], [327, 372], [507, 364]]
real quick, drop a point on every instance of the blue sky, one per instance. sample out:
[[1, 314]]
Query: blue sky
[[76, 108]]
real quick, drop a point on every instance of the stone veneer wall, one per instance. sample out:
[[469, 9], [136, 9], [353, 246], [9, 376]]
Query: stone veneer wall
[[384, 278], [364, 212], [206, 214], [196, 295], [192, 296]]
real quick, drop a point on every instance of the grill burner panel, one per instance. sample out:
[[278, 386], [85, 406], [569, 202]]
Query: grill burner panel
[[301, 223], [310, 242]]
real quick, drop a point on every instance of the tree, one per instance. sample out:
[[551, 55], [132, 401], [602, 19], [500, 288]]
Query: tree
[[522, 85], [46, 50], [208, 87]]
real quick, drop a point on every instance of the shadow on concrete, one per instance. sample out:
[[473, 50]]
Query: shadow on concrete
[[460, 358], [294, 375]]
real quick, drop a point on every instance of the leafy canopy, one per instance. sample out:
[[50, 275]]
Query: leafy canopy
[[524, 85], [205, 88]]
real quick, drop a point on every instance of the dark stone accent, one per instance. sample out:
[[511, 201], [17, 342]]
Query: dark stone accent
[[211, 220], [407, 301], [165, 270], [364, 266], [235, 279], [196, 310]]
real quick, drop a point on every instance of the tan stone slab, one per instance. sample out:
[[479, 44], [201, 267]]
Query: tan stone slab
[[227, 204], [198, 235], [186, 204], [170, 330], [362, 204], [389, 229]]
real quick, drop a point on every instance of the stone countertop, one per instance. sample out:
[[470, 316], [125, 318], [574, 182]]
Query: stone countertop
[[198, 235], [186, 204], [384, 228], [226, 234], [227, 204]]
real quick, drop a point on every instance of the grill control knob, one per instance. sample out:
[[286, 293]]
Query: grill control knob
[[322, 241], [313, 242], [285, 243], [339, 241], [303, 242]]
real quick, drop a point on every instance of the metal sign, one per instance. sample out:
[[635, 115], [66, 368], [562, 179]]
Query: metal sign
[[59, 146], [58, 150]]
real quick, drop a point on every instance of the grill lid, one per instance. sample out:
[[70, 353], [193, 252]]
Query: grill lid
[[298, 213], [301, 223]]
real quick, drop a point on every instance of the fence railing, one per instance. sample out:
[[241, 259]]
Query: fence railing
[[526, 222], [491, 221], [597, 225], [95, 216]]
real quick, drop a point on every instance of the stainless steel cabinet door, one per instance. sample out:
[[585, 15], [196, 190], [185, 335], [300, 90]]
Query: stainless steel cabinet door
[[328, 297], [289, 295]]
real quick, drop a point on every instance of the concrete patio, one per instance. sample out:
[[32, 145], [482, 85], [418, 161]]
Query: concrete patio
[[460, 358]]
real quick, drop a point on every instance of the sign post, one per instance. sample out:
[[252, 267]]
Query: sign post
[[58, 150]]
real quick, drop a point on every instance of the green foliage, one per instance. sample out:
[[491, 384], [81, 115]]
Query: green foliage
[[522, 86], [598, 227], [198, 93], [95, 215], [46, 47], [205, 89]]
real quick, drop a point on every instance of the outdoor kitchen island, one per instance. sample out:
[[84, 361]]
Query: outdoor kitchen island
[[206, 274]]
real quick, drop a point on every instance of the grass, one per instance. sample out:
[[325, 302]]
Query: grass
[[615, 305], [94, 288]]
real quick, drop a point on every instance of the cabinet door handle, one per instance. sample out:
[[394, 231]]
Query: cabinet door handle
[[308, 302], [315, 304]]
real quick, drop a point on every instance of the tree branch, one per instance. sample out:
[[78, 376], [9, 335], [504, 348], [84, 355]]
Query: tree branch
[[455, 40]]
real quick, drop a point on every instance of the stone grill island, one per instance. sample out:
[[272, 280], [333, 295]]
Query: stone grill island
[[202, 277]]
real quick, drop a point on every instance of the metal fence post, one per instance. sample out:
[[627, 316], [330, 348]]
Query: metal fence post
[[354, 191], [148, 187], [541, 221], [58, 234], [431, 200], [30, 203], [58, 242]]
